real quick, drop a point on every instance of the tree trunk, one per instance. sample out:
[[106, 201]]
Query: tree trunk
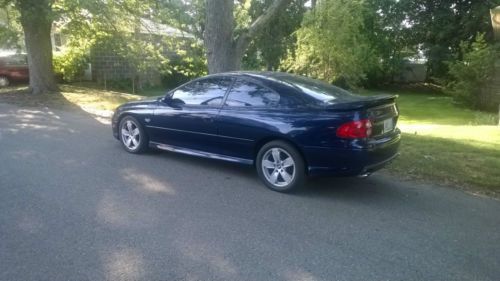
[[37, 22], [218, 36], [224, 52]]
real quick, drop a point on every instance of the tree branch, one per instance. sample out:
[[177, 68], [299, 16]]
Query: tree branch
[[244, 39]]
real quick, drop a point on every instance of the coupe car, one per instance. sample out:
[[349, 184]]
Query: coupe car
[[289, 127]]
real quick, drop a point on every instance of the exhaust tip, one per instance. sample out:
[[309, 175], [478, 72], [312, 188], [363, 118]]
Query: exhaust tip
[[364, 175]]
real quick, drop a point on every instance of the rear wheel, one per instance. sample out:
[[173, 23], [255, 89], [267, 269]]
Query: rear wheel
[[280, 166], [4, 81], [132, 135]]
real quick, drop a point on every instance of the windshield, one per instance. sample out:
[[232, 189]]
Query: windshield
[[315, 88]]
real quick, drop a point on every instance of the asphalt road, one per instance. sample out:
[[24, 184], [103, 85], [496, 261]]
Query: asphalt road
[[75, 206]]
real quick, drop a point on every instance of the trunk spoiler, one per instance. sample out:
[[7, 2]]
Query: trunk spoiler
[[365, 102]]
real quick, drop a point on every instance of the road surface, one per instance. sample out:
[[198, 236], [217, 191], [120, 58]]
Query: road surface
[[75, 206]]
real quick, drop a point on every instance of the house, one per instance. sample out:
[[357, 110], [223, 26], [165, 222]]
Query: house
[[107, 66]]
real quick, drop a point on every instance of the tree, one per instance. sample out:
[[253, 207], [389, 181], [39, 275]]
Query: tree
[[270, 45], [36, 20], [331, 44], [441, 25], [225, 46], [472, 73], [10, 29]]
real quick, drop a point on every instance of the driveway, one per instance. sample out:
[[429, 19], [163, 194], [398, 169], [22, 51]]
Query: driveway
[[75, 206]]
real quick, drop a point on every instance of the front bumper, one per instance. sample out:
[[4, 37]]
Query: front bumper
[[114, 126]]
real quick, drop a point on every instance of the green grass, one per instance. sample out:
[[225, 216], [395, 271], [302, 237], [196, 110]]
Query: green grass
[[436, 108], [446, 143], [147, 92], [94, 98], [88, 99]]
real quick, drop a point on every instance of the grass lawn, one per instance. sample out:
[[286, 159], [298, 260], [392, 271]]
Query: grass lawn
[[88, 99], [445, 143], [442, 142]]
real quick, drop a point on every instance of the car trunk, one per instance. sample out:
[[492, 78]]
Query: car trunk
[[381, 110]]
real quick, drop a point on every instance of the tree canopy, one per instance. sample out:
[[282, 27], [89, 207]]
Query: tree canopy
[[359, 42]]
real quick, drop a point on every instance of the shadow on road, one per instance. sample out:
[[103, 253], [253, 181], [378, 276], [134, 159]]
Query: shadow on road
[[74, 205]]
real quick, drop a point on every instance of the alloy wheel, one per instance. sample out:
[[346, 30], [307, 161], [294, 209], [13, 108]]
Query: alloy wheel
[[278, 167], [131, 135]]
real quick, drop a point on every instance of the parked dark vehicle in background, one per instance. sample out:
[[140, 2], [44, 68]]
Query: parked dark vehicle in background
[[13, 69], [288, 126]]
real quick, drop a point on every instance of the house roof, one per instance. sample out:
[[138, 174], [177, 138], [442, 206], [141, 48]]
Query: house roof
[[146, 26], [150, 27]]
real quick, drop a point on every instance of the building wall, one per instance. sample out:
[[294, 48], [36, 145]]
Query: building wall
[[108, 66]]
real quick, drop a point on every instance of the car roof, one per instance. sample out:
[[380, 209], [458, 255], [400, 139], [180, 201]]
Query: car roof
[[269, 78], [265, 75]]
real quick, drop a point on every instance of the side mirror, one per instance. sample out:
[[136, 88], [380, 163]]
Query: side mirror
[[167, 98], [172, 102]]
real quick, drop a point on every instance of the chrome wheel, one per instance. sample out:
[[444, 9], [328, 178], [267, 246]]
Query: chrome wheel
[[131, 135], [278, 167]]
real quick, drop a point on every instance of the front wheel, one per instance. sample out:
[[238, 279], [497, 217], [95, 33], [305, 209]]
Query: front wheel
[[280, 166], [132, 135]]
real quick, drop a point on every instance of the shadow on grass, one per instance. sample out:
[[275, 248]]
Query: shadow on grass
[[68, 98], [451, 162], [21, 96]]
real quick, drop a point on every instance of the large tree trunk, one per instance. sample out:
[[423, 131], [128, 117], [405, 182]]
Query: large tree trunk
[[224, 51], [218, 36], [36, 20]]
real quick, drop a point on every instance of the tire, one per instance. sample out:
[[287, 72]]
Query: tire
[[4, 81], [287, 174], [132, 135]]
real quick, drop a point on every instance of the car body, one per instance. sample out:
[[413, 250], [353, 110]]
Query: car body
[[13, 69], [232, 116]]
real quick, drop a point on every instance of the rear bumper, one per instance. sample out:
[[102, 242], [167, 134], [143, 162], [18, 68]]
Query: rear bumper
[[352, 162]]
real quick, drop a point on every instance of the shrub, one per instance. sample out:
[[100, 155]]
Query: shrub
[[471, 75], [187, 62], [71, 64]]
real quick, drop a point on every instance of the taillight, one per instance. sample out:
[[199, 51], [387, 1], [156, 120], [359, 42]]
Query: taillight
[[355, 129]]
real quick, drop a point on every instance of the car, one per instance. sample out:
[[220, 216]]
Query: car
[[289, 127], [13, 69]]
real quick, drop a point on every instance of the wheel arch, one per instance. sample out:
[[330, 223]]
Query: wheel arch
[[260, 143], [135, 116]]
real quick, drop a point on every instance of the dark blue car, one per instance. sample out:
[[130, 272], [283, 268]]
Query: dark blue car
[[288, 126]]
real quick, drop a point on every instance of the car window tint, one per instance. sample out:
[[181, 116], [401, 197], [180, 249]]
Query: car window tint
[[315, 88], [244, 93], [209, 91]]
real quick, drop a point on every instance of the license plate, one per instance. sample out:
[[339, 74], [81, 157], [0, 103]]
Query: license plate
[[388, 125]]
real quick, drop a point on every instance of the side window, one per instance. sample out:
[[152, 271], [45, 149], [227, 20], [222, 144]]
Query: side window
[[208, 91], [16, 60], [245, 93]]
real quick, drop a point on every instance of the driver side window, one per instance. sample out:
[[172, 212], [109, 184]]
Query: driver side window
[[208, 91]]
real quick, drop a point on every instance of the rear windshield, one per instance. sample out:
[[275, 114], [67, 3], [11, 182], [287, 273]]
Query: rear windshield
[[315, 88]]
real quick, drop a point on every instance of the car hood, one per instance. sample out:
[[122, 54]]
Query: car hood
[[140, 103]]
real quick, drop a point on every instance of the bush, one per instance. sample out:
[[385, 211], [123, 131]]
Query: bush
[[471, 75], [189, 62], [71, 64]]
